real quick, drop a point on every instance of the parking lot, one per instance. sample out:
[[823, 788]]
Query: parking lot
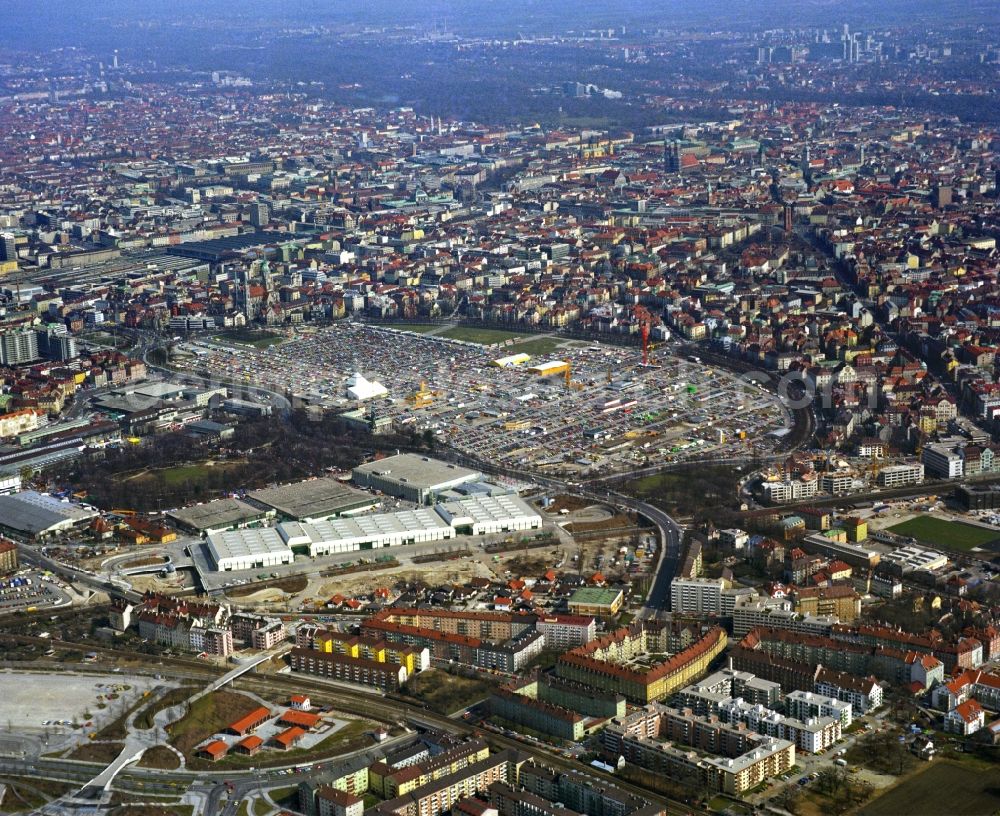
[[613, 413], [29, 588], [54, 702]]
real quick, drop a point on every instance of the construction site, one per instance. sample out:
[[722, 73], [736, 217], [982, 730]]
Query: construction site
[[588, 408]]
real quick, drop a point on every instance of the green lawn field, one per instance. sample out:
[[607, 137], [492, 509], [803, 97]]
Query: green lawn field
[[484, 337], [258, 339], [538, 347], [951, 535], [414, 328]]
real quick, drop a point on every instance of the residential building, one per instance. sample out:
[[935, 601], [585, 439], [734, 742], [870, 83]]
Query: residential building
[[943, 461], [863, 693], [606, 663], [383, 676], [965, 718], [696, 596], [565, 632]]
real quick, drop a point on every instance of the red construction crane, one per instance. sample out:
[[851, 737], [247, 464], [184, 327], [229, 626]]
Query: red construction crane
[[645, 322]]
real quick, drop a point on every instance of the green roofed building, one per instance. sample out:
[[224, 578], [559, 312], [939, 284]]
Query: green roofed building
[[596, 601]]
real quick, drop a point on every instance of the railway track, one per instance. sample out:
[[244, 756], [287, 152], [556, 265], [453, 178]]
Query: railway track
[[387, 710]]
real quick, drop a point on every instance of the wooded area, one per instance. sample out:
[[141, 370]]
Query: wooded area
[[178, 469]]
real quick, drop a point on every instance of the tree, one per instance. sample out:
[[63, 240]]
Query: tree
[[789, 798], [831, 780]]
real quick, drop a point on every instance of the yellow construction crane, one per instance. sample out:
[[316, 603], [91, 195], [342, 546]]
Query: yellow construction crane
[[570, 382], [874, 467]]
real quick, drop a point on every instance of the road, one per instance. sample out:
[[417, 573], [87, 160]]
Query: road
[[147, 342], [393, 711], [34, 556], [671, 533]]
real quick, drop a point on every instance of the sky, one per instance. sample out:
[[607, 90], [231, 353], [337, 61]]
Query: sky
[[173, 32]]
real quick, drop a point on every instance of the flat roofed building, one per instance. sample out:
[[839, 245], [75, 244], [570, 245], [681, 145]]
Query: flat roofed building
[[216, 516], [314, 499], [596, 601], [853, 554], [915, 558], [442, 794], [549, 368], [674, 744], [567, 631], [366, 532], [39, 515], [479, 515], [248, 549], [416, 478], [900, 475], [806, 704], [702, 596], [510, 360]]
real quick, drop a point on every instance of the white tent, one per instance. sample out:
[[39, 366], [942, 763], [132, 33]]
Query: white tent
[[359, 388]]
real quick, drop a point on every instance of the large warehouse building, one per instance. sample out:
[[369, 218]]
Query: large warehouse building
[[474, 515], [367, 532], [248, 549], [415, 478], [216, 516], [479, 515], [314, 499], [40, 515]]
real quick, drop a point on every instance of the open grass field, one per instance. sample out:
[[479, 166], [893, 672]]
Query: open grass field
[[171, 698], [104, 752], [196, 473], [250, 337], [159, 756], [415, 328], [208, 715], [446, 693], [538, 347], [286, 796], [30, 795], [951, 535], [485, 337], [941, 788]]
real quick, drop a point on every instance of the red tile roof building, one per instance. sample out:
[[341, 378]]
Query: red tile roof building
[[602, 663], [288, 738], [250, 722]]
